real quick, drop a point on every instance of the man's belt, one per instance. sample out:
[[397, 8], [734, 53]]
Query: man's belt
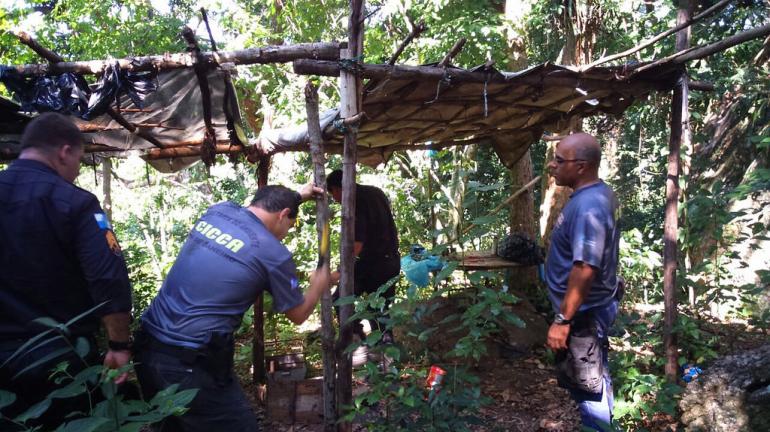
[[145, 341]]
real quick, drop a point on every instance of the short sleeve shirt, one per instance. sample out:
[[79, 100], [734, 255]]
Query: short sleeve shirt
[[58, 255], [586, 231], [229, 258]]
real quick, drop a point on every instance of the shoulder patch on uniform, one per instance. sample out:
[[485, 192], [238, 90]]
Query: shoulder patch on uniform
[[112, 243], [294, 283], [102, 221]]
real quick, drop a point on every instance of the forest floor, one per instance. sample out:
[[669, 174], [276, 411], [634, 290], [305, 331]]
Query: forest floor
[[524, 390]]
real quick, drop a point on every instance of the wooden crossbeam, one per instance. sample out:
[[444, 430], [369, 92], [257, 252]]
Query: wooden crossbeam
[[263, 55]]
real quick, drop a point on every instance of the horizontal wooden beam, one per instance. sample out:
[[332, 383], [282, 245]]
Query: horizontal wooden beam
[[180, 152], [402, 72], [559, 78], [263, 55]]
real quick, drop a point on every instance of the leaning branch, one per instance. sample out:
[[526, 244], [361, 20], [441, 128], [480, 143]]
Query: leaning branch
[[652, 40], [702, 51], [416, 31], [452, 52], [269, 54]]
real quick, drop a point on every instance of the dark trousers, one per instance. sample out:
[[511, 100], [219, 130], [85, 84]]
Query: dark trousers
[[220, 404], [35, 384], [369, 277]]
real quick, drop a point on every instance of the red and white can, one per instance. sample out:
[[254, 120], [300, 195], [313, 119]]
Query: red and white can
[[433, 383]]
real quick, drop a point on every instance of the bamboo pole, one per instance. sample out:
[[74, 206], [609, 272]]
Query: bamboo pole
[[350, 105], [679, 115], [263, 55], [322, 226]]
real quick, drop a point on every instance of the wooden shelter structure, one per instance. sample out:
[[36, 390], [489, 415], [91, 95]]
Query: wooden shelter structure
[[399, 108]]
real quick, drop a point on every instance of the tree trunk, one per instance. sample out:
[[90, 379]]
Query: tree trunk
[[522, 209], [581, 20], [554, 199]]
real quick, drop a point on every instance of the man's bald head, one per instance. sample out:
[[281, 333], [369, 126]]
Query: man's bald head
[[584, 147]]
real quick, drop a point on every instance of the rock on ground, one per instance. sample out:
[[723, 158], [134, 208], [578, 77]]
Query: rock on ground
[[730, 396]]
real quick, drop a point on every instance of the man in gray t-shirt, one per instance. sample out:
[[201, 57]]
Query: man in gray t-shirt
[[231, 255], [581, 274]]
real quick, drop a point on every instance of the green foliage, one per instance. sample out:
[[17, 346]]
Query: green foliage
[[397, 384], [112, 412]]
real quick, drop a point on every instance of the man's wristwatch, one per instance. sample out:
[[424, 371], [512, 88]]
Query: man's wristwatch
[[560, 319], [119, 346]]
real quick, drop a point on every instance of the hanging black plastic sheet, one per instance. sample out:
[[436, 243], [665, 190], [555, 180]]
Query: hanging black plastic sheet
[[69, 93]]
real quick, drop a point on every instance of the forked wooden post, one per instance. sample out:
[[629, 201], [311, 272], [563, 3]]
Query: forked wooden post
[[322, 226], [350, 105]]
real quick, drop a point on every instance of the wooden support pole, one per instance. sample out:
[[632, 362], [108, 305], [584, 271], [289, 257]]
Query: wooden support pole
[[201, 72], [322, 226], [350, 105], [258, 340], [264, 55], [107, 187], [679, 116]]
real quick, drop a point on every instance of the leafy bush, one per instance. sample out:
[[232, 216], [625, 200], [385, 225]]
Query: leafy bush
[[108, 410], [397, 393]]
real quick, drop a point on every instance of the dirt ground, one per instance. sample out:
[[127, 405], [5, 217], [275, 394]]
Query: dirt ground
[[524, 391], [525, 394]]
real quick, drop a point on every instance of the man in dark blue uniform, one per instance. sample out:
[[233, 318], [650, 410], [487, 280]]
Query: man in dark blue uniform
[[231, 256], [581, 274], [58, 259], [375, 246]]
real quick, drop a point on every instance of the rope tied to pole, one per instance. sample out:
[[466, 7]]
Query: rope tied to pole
[[339, 124], [352, 65]]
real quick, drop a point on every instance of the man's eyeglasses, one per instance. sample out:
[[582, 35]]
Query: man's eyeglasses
[[560, 160]]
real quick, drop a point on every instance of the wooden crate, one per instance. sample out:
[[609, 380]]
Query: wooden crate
[[292, 402]]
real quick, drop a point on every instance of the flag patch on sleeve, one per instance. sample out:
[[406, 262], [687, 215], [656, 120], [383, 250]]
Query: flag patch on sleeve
[[102, 221]]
